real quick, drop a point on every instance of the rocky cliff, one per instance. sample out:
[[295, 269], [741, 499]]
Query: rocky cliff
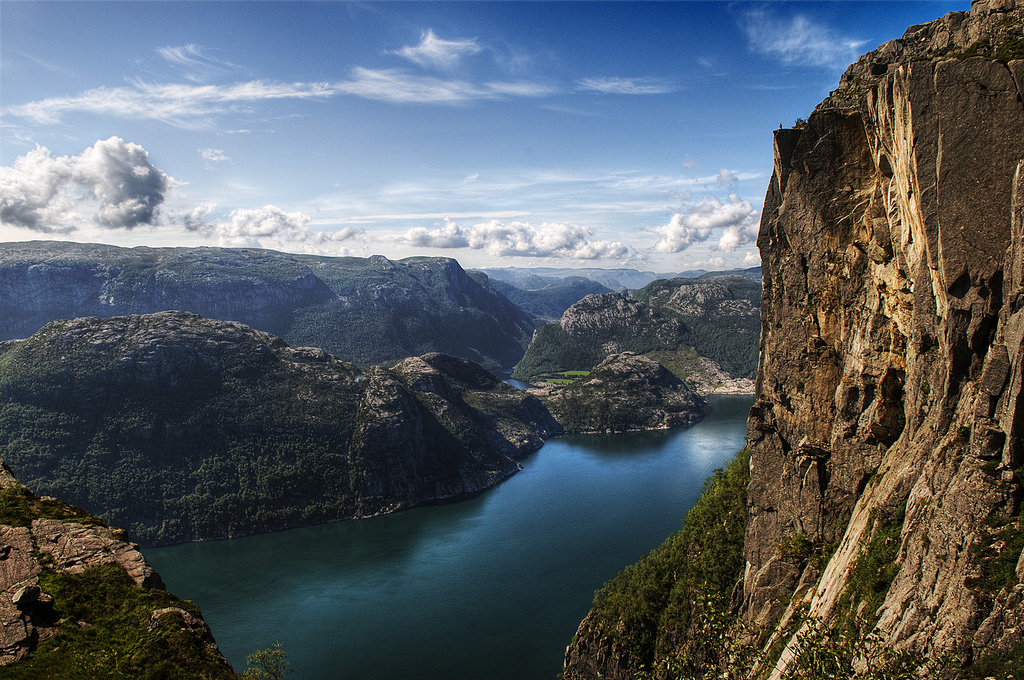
[[364, 310], [182, 428], [78, 600], [886, 453]]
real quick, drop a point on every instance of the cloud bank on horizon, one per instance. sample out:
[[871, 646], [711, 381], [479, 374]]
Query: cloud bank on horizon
[[623, 134]]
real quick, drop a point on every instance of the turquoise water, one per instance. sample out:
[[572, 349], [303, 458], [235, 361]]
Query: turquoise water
[[489, 587]]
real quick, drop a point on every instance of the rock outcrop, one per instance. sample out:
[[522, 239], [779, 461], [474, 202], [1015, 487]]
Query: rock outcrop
[[703, 330], [183, 428], [365, 310], [625, 393], [886, 449], [42, 538]]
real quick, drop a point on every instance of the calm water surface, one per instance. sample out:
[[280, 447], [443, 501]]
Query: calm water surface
[[493, 586]]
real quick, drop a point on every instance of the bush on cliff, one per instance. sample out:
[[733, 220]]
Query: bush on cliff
[[685, 584]]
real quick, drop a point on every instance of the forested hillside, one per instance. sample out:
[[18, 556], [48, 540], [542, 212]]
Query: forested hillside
[[178, 428]]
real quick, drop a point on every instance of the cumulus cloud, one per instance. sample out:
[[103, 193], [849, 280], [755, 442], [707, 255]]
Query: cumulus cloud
[[737, 220], [799, 40], [111, 184], [626, 85], [253, 226], [520, 239], [437, 52], [753, 258]]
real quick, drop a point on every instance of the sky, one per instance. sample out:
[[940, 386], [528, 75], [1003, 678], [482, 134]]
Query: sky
[[527, 134]]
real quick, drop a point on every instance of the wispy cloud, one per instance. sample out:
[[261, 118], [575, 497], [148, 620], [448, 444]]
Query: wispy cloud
[[213, 155], [180, 105], [195, 63], [435, 52], [798, 40], [396, 85], [626, 85], [192, 106], [520, 239]]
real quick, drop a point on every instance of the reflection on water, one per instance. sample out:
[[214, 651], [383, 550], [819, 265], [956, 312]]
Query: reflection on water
[[491, 586]]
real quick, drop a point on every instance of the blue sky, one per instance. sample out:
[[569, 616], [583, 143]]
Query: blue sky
[[522, 133]]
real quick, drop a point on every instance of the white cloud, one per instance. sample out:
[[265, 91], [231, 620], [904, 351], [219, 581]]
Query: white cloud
[[711, 262], [626, 85], [520, 239], [439, 53], [737, 219], [194, 63], [257, 226], [450, 235], [113, 182], [799, 41], [726, 178], [185, 106], [213, 155], [753, 258], [396, 85]]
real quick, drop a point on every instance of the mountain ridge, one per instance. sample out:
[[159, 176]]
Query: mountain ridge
[[366, 310]]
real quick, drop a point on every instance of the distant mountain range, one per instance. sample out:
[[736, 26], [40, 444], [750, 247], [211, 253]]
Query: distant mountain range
[[365, 310], [547, 298], [614, 279]]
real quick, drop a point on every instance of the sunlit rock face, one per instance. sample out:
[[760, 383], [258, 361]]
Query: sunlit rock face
[[891, 371], [890, 391]]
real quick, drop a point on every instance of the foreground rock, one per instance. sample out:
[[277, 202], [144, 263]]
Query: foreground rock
[[885, 441], [49, 551], [183, 428], [625, 393]]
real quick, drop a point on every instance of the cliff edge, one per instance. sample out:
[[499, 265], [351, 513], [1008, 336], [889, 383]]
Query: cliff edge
[[78, 600], [885, 441]]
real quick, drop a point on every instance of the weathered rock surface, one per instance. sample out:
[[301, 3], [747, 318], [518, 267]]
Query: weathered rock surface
[[364, 310], [889, 333], [626, 392], [890, 394], [183, 428], [27, 615]]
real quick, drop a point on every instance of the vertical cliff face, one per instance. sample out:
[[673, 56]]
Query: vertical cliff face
[[890, 382], [885, 442]]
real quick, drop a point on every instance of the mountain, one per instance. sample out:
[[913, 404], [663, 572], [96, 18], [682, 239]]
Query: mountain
[[614, 279], [625, 393], [882, 519], [547, 298], [181, 428], [704, 330], [364, 310], [77, 600]]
